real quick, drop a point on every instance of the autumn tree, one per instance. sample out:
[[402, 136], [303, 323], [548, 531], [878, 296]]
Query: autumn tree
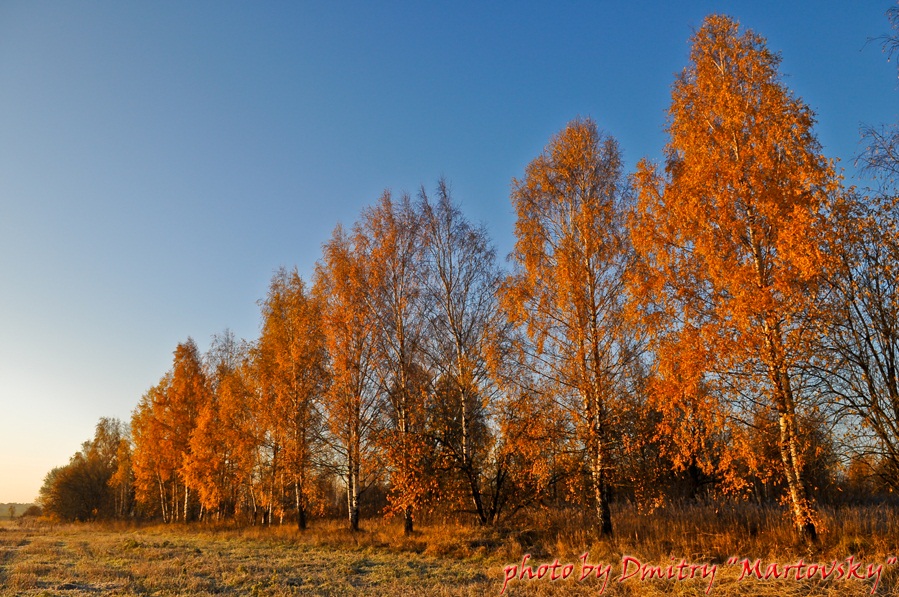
[[535, 457], [730, 233], [122, 480], [291, 359], [162, 425], [220, 462], [465, 325], [81, 490], [862, 333], [392, 231], [351, 405], [567, 287], [684, 419], [154, 468], [188, 393]]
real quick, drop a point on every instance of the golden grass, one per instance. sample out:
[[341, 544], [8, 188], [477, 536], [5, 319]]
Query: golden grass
[[721, 537], [444, 559]]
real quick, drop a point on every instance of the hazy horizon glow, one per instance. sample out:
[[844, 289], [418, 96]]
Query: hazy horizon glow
[[158, 162]]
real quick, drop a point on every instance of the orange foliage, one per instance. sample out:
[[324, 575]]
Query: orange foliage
[[162, 425], [567, 288], [222, 444], [730, 236], [291, 361], [342, 281], [392, 233]]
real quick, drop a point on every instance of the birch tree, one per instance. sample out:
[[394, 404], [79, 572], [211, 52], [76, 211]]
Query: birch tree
[[567, 287], [219, 465], [351, 405], [731, 231], [162, 425], [292, 362], [464, 325], [392, 231]]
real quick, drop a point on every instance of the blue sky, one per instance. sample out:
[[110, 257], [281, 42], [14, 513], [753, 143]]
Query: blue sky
[[159, 161]]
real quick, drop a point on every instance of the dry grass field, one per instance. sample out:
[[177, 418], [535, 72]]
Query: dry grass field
[[448, 559]]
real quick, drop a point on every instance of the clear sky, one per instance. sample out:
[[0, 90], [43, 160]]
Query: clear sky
[[160, 160]]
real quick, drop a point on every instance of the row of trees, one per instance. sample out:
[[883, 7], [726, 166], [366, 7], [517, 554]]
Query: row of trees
[[714, 325], [378, 374]]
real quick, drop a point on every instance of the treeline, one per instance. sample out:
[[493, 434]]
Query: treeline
[[12, 511], [722, 325]]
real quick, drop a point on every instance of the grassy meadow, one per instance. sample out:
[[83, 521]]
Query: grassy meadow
[[40, 558]]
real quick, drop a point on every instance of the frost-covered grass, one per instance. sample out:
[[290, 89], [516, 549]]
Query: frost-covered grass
[[163, 560], [448, 559]]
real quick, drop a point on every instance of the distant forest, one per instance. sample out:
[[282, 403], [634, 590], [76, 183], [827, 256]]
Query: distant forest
[[718, 326], [15, 510]]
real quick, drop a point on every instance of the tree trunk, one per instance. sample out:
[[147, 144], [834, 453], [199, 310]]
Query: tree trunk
[[353, 492], [803, 516], [162, 500], [408, 523], [596, 451], [600, 488], [468, 466], [301, 508], [174, 508], [802, 511], [353, 503], [475, 485]]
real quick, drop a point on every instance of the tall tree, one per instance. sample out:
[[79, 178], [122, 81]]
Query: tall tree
[[188, 394], [731, 233], [351, 404], [122, 480], [567, 288], [162, 424], [862, 332], [218, 467], [464, 325], [292, 361], [392, 231], [155, 467]]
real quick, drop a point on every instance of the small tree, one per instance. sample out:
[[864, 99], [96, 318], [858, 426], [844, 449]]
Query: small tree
[[81, 490]]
